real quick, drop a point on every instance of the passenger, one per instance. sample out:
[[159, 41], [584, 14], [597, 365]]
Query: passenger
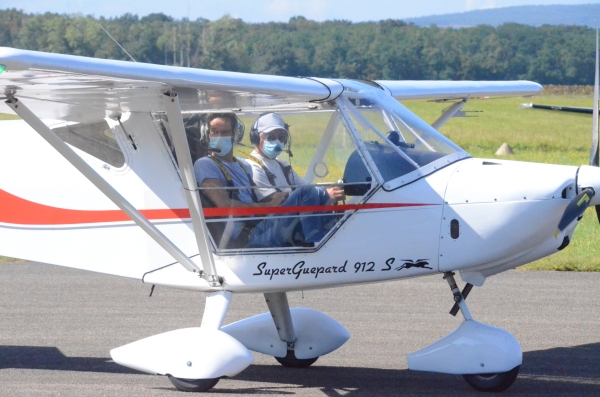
[[270, 135], [222, 169]]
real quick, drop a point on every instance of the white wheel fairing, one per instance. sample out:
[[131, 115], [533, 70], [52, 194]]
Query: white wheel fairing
[[317, 334], [188, 353], [473, 348]]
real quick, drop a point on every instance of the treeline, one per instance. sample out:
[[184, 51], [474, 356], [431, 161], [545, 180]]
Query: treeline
[[389, 49]]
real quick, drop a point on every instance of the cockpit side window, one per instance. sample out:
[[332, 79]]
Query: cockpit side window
[[193, 124], [319, 154], [422, 135], [96, 139], [397, 142], [376, 132]]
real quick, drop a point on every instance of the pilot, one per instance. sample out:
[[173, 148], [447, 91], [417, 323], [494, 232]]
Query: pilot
[[221, 169], [270, 135]]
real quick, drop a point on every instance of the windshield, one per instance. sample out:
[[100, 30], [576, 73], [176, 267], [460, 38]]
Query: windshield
[[398, 141]]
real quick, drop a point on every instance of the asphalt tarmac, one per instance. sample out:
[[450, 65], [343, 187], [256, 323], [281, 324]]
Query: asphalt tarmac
[[58, 325]]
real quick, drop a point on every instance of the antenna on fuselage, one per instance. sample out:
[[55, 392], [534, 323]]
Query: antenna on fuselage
[[116, 42]]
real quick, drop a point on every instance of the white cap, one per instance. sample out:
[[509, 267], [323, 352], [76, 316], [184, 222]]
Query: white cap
[[270, 122]]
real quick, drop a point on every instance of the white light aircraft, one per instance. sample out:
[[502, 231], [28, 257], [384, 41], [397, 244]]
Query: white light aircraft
[[98, 175]]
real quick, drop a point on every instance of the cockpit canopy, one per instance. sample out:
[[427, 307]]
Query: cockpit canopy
[[360, 142], [401, 146]]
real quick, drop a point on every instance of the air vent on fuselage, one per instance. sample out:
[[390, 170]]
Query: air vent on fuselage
[[454, 229]]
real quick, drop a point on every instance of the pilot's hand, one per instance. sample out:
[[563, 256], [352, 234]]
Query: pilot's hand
[[336, 194]]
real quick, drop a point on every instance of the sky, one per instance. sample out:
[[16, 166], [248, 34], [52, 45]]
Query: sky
[[273, 10]]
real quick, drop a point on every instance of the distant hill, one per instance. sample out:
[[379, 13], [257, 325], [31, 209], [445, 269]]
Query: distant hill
[[583, 15]]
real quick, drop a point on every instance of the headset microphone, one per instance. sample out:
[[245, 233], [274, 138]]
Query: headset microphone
[[289, 143]]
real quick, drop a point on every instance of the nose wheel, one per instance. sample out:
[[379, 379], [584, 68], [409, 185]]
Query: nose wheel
[[493, 382]]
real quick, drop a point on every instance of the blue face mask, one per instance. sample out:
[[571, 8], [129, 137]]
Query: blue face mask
[[222, 143], [273, 149]]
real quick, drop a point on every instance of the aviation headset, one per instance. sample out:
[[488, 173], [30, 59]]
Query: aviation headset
[[255, 134]]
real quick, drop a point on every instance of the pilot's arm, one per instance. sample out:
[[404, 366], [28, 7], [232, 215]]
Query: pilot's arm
[[220, 196], [261, 180], [335, 193]]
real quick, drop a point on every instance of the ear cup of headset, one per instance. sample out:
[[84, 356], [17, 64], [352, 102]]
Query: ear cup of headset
[[254, 135], [240, 128], [203, 131]]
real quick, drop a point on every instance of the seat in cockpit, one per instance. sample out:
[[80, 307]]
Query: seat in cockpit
[[389, 163]]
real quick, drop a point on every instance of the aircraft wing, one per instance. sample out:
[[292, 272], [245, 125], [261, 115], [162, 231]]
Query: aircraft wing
[[440, 89], [74, 88]]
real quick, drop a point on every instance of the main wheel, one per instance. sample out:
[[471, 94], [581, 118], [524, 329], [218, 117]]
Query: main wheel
[[290, 361], [493, 382], [193, 385]]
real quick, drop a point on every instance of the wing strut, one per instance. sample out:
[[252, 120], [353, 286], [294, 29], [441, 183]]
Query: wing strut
[[448, 114], [19, 108], [190, 185]]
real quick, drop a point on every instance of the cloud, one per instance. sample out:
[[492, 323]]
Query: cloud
[[479, 4]]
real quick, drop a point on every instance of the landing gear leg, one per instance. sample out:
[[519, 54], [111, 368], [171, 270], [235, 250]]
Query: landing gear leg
[[491, 382], [280, 312], [458, 298]]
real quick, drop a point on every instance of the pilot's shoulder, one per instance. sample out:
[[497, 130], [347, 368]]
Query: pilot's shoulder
[[204, 162], [252, 163]]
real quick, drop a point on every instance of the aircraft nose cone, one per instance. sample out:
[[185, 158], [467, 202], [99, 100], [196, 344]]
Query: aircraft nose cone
[[589, 177]]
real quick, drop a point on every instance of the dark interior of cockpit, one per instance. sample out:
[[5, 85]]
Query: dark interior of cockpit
[[388, 162]]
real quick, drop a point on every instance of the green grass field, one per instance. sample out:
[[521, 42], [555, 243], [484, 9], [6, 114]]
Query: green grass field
[[535, 135]]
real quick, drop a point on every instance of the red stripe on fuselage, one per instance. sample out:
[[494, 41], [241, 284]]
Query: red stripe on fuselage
[[16, 210]]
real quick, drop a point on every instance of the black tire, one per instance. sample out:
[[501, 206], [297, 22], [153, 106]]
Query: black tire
[[193, 385], [290, 361], [493, 382]]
